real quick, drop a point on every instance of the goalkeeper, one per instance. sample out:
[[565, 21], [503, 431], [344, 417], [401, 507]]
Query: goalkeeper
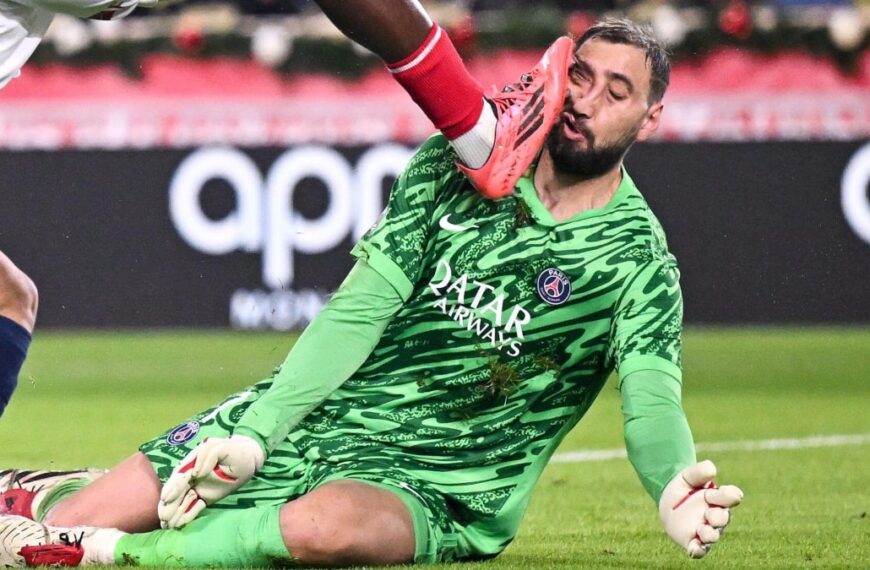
[[414, 416]]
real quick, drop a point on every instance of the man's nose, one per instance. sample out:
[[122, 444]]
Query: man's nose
[[584, 104]]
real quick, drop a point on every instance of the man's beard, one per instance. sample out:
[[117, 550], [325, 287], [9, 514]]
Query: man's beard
[[592, 162]]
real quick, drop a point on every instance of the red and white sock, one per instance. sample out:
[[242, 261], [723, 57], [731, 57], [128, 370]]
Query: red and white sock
[[437, 80]]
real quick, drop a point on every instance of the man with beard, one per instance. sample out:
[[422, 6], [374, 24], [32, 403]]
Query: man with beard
[[415, 414]]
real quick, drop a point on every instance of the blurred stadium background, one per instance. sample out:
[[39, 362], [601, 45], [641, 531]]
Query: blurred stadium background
[[207, 165]]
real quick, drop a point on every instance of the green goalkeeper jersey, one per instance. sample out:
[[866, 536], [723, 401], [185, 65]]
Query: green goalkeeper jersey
[[511, 324]]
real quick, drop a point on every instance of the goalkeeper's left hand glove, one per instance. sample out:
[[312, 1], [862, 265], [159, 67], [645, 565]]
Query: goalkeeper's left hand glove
[[694, 511], [211, 471]]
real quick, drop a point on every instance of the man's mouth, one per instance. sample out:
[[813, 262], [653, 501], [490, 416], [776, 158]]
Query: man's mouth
[[572, 130]]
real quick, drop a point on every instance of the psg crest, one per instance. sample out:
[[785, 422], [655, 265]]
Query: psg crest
[[183, 433], [554, 287]]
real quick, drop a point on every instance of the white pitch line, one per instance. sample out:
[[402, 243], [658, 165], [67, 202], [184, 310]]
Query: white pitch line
[[751, 445]]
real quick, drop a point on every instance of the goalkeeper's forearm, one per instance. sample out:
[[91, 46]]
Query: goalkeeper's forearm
[[330, 350], [657, 435]]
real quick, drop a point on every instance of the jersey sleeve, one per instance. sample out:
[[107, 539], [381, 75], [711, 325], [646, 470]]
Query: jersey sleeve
[[396, 245], [657, 436], [648, 323], [354, 319]]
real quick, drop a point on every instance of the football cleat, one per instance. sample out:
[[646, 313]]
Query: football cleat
[[22, 491], [525, 113], [69, 552], [17, 533], [27, 543]]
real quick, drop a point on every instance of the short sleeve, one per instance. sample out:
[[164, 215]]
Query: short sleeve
[[396, 245], [648, 323]]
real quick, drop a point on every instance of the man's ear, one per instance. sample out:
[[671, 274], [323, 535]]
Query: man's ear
[[650, 122]]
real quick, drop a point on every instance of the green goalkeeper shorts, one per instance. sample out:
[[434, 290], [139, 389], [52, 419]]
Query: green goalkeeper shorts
[[288, 475]]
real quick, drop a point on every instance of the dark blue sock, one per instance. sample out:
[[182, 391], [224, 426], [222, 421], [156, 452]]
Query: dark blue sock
[[14, 341]]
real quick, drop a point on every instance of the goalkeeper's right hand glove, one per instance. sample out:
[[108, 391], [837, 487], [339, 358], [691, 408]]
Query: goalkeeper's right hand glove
[[694, 511], [211, 471]]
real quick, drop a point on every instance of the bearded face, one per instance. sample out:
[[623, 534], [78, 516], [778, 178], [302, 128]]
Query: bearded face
[[606, 110], [576, 152]]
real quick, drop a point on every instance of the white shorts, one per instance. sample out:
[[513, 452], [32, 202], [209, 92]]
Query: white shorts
[[21, 29]]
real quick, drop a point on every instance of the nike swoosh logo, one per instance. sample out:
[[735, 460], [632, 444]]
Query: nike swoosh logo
[[445, 224]]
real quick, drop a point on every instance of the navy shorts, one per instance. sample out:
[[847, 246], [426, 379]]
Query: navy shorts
[[14, 342]]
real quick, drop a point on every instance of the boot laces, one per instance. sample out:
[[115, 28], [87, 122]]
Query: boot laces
[[69, 539], [515, 93]]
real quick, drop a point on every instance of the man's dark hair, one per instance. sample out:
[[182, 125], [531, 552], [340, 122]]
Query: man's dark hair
[[624, 31]]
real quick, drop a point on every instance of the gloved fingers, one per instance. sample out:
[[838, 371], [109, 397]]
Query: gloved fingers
[[226, 473], [165, 512], [189, 507], [724, 496], [175, 487], [717, 517], [197, 507], [707, 534], [699, 474], [696, 549], [174, 493], [207, 457]]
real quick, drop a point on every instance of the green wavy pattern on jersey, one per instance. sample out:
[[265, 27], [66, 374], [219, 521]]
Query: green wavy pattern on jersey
[[475, 419]]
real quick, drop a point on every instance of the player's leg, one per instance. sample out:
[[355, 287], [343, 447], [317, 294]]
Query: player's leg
[[312, 513], [391, 29], [124, 498], [425, 63], [18, 305], [495, 141], [341, 523], [19, 299], [347, 523], [31, 493]]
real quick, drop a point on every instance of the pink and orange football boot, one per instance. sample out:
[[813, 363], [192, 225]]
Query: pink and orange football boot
[[525, 112]]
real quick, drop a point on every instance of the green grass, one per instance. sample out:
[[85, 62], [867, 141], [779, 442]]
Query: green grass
[[90, 398]]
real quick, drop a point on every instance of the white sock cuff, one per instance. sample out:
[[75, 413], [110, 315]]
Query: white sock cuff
[[475, 146], [100, 546]]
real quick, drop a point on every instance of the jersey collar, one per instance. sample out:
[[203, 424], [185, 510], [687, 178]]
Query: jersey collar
[[529, 195]]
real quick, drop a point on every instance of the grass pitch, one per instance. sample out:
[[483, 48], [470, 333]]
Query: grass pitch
[[88, 399]]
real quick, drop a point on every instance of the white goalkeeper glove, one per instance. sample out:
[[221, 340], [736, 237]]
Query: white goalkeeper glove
[[211, 471], [694, 511]]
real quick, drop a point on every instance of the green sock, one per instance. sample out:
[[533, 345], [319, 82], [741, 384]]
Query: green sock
[[59, 493], [238, 538]]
